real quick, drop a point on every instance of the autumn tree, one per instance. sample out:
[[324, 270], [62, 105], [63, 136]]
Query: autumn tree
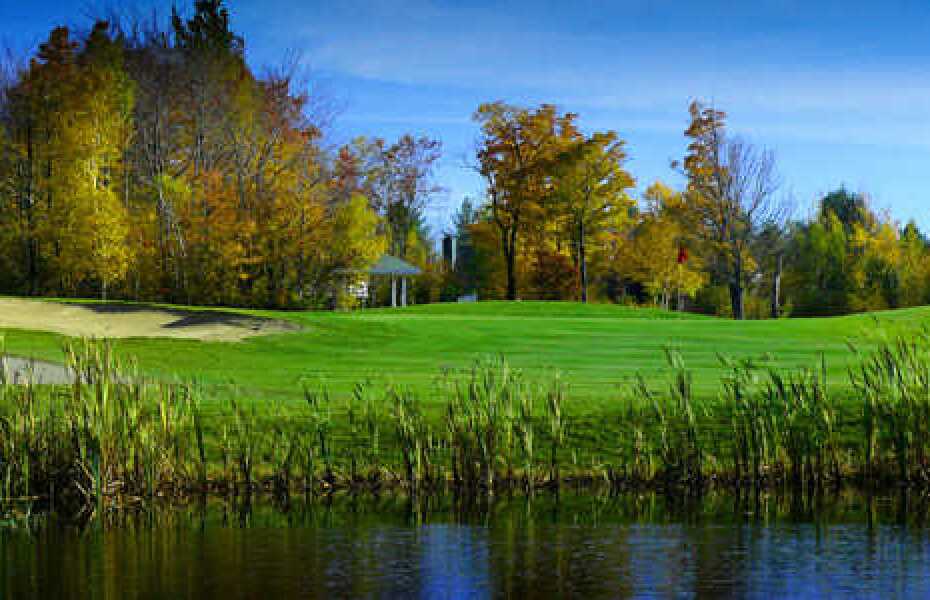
[[109, 96], [731, 194], [155, 164], [517, 154], [357, 241], [657, 251], [406, 174], [150, 161], [38, 104], [592, 188], [214, 77], [156, 156], [68, 125]]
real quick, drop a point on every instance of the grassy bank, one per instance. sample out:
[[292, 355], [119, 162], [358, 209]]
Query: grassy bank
[[114, 433]]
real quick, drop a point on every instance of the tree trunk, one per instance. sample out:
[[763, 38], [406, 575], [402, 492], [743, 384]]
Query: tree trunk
[[736, 300], [511, 255], [776, 287], [511, 277], [679, 295], [736, 290], [32, 242], [583, 262]]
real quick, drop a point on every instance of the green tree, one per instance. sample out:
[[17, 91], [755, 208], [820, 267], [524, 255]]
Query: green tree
[[592, 188]]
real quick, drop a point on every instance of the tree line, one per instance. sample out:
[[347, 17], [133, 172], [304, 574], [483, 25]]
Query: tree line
[[149, 161], [561, 221]]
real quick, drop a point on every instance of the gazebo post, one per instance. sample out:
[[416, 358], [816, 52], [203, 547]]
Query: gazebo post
[[393, 267]]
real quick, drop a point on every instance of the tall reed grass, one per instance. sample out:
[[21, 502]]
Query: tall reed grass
[[113, 433]]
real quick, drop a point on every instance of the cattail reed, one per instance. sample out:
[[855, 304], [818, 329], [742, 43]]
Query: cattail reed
[[111, 432]]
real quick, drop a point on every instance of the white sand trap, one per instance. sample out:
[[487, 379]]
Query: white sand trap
[[134, 320], [22, 370]]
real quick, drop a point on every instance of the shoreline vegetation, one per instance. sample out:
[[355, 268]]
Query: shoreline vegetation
[[115, 438], [579, 506]]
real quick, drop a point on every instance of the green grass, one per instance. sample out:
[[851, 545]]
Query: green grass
[[596, 347], [488, 424]]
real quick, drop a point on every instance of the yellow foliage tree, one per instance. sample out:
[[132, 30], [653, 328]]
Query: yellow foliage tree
[[657, 252]]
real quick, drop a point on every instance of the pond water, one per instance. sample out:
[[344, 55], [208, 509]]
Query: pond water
[[584, 546]]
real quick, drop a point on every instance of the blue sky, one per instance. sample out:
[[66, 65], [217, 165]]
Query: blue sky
[[839, 90]]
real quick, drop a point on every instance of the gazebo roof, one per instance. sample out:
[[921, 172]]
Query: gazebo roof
[[391, 265]]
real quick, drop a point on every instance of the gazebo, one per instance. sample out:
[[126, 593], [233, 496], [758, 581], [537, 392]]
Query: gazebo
[[395, 268]]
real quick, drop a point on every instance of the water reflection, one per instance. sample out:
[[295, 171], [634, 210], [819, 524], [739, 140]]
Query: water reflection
[[581, 545]]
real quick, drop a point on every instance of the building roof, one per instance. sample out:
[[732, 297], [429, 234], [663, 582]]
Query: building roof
[[391, 265]]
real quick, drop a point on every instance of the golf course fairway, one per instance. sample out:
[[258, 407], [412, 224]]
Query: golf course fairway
[[597, 348]]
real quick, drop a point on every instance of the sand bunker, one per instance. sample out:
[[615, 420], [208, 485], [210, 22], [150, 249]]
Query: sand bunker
[[21, 370], [128, 320]]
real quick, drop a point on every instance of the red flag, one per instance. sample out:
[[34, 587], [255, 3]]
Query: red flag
[[682, 255]]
